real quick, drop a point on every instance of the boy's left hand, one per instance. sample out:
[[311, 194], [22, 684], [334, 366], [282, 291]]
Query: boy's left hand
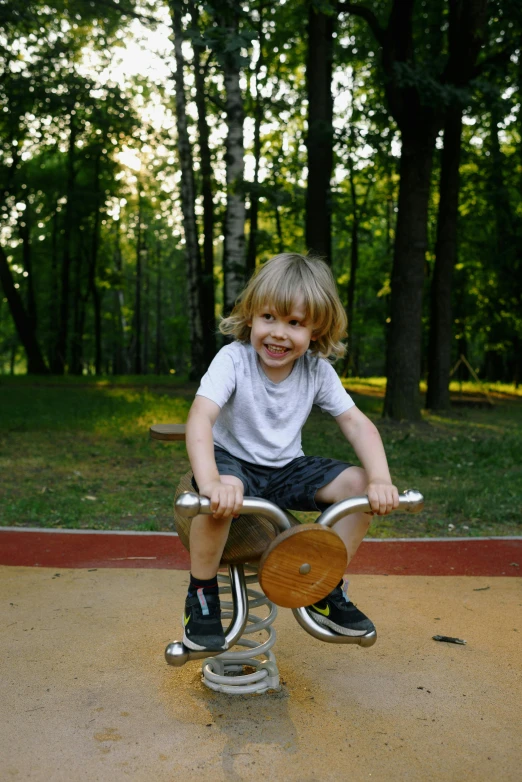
[[383, 497]]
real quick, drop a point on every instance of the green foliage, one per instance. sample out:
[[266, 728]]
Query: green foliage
[[68, 132], [66, 192]]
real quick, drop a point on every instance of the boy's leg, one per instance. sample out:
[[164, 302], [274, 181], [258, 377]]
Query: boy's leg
[[336, 611], [202, 616], [352, 482], [208, 537]]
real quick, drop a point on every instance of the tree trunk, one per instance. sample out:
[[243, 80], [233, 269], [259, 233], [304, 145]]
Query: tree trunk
[[93, 263], [467, 21], [354, 248], [146, 312], [188, 204], [418, 121], [137, 296], [516, 361], [500, 201], [258, 117], [24, 231], [441, 322], [320, 133], [254, 195], [402, 400], [234, 263], [35, 362], [354, 263], [208, 301], [61, 348], [79, 300], [159, 314], [120, 361], [279, 229], [55, 291]]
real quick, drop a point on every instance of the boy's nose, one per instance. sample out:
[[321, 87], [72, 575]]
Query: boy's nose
[[278, 330]]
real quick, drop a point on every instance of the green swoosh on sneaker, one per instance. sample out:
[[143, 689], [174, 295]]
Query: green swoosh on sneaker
[[323, 611], [186, 620]]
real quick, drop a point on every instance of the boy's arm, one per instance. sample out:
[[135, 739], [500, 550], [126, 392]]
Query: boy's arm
[[225, 500], [366, 441]]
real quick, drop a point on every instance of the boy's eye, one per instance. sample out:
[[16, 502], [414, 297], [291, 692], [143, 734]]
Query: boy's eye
[[267, 316]]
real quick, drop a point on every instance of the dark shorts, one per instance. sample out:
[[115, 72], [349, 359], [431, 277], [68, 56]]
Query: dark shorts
[[292, 487]]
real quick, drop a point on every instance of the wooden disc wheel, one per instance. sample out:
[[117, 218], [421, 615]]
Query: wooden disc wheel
[[302, 565]]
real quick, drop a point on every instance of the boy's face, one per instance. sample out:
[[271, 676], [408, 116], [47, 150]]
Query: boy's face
[[279, 340]]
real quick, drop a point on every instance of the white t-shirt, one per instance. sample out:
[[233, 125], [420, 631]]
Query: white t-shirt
[[261, 421]]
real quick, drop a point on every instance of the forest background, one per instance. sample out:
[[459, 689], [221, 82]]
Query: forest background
[[153, 154], [139, 192]]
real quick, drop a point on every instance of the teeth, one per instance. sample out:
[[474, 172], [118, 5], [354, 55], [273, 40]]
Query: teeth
[[276, 349]]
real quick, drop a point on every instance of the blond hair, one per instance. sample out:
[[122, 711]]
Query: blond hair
[[280, 283]]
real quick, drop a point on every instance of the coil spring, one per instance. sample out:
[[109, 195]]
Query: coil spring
[[226, 672]]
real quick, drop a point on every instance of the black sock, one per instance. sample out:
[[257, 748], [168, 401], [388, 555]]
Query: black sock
[[210, 585]]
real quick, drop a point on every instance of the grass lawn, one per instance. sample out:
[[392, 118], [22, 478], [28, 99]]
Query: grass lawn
[[77, 455]]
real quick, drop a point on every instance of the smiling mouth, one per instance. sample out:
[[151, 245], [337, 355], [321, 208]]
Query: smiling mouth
[[276, 350]]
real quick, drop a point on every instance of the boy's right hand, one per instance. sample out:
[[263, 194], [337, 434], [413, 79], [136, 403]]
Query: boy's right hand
[[225, 500]]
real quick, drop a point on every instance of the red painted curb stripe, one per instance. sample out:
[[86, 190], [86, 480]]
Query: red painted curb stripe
[[440, 558], [88, 550], [475, 557]]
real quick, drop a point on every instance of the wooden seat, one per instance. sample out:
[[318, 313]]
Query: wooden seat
[[249, 536]]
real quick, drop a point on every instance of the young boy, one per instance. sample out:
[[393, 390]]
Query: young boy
[[244, 433]]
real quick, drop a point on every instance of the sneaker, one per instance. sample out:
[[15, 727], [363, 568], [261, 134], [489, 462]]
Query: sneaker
[[340, 614], [203, 630]]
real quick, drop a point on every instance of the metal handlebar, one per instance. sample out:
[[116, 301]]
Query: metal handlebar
[[411, 501], [190, 504]]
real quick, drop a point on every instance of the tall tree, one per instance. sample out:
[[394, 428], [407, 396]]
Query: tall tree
[[208, 298], [69, 220], [319, 141], [35, 361], [258, 108], [230, 41], [17, 104], [416, 74], [188, 197], [504, 308], [466, 30]]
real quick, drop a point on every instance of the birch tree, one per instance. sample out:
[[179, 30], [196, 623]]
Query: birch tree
[[193, 255], [229, 42], [208, 298]]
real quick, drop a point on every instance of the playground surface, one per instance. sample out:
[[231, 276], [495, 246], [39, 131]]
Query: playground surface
[[85, 692]]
